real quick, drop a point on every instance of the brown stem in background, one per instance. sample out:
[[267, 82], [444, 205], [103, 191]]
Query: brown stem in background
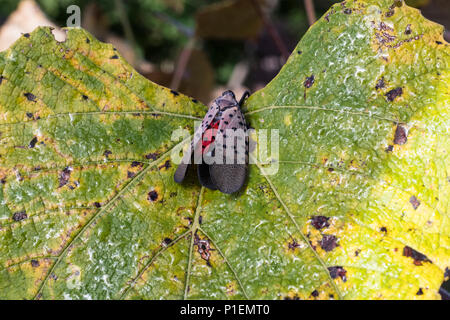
[[182, 63], [129, 35], [309, 7], [272, 30]]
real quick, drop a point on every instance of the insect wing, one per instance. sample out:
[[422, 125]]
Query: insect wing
[[196, 143], [229, 177]]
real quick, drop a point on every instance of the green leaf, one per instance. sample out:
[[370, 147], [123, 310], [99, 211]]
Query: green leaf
[[358, 208]]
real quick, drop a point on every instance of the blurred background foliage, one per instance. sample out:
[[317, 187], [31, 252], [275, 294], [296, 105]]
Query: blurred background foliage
[[199, 47]]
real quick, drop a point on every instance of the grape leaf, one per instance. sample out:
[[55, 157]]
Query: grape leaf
[[357, 210]]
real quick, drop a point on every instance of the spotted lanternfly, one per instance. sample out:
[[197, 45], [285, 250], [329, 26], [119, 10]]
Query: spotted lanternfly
[[223, 136]]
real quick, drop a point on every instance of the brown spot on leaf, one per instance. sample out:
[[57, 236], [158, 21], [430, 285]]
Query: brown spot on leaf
[[174, 93], [415, 202], [64, 176], [401, 136], [152, 156], [380, 84], [416, 255], [315, 293], [97, 204], [35, 263], [347, 11], [115, 57], [19, 216], [408, 29], [26, 35], [338, 271], [390, 13], [328, 242], [383, 229], [107, 153], [389, 148], [204, 248], [136, 163], [30, 96], [293, 244], [1, 79], [166, 165], [32, 143], [166, 241], [309, 81], [29, 115], [152, 195], [130, 174], [420, 292], [394, 93], [320, 222]]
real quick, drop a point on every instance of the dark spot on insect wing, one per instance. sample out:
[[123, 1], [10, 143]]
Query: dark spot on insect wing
[[32, 143], [400, 136], [309, 81], [438, 42], [299, 52], [30, 96], [115, 57], [415, 202], [320, 222], [26, 35], [87, 40], [35, 263], [85, 97], [152, 196], [19, 216], [394, 93], [420, 292], [29, 115], [174, 93], [338, 272], [417, 256]]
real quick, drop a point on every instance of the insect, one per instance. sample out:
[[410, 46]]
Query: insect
[[220, 144]]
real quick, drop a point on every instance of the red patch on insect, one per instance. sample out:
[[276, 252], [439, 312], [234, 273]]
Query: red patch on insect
[[209, 136]]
